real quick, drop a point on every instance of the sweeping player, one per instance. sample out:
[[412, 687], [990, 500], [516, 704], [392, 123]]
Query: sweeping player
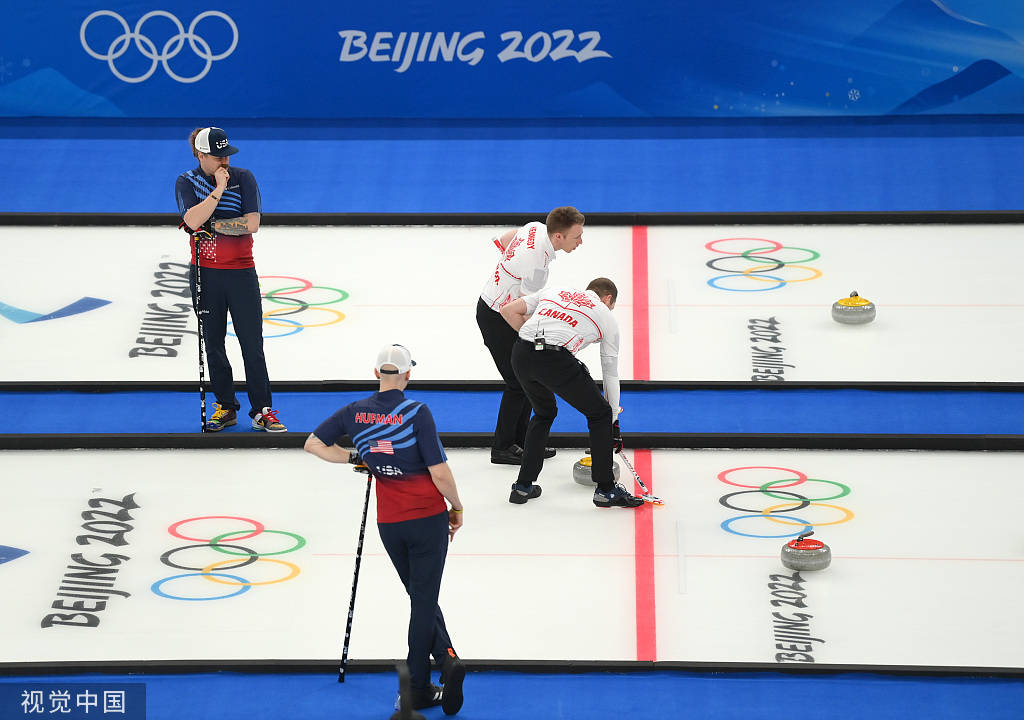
[[396, 438], [553, 325], [227, 203], [522, 268]]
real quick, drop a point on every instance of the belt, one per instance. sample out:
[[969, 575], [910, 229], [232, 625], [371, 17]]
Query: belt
[[546, 346]]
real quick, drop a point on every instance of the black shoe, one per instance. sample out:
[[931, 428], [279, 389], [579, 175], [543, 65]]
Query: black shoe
[[403, 705], [513, 455], [454, 673], [618, 496], [520, 494], [430, 696]]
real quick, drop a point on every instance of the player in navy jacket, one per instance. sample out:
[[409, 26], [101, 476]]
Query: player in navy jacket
[[225, 201], [396, 439]]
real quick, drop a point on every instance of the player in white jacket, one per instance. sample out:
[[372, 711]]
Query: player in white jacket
[[553, 325], [522, 269]]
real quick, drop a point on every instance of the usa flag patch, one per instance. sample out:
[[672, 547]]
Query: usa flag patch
[[382, 446]]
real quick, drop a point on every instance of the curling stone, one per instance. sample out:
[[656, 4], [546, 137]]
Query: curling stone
[[581, 471], [853, 310], [804, 554]]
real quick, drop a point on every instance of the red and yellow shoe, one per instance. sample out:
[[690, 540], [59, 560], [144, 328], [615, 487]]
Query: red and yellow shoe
[[267, 420]]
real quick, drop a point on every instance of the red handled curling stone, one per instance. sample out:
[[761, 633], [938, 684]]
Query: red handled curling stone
[[581, 471], [804, 554]]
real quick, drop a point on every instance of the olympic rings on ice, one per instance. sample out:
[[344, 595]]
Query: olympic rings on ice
[[757, 268], [242, 559], [288, 296], [780, 513]]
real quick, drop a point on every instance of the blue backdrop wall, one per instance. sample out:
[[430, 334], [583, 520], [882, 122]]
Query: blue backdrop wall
[[533, 59]]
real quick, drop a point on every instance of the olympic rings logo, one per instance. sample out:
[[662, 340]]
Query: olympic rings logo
[[174, 44], [778, 513], [759, 268], [294, 305], [226, 544]]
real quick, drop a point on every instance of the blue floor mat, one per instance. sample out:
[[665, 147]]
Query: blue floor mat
[[589, 696], [788, 411]]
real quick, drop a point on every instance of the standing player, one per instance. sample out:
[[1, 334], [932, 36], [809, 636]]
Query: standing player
[[396, 438], [226, 202], [553, 325], [522, 269]]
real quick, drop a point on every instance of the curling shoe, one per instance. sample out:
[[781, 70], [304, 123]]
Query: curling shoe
[[453, 673], [520, 494], [618, 496], [430, 696], [222, 418], [513, 455], [267, 420]]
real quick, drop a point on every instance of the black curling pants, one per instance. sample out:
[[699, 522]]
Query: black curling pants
[[418, 549], [514, 410], [544, 374], [236, 292]]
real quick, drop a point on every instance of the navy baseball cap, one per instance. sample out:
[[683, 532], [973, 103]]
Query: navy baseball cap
[[214, 141]]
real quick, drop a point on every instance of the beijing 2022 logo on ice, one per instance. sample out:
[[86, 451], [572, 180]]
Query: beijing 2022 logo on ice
[[158, 47]]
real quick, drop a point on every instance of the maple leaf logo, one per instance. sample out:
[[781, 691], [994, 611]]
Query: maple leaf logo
[[576, 298]]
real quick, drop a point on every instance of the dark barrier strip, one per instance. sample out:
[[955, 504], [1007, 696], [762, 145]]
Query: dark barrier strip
[[142, 667], [771, 441], [608, 218]]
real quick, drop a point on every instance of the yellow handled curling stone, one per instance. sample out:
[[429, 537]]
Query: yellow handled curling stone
[[581, 471], [853, 310]]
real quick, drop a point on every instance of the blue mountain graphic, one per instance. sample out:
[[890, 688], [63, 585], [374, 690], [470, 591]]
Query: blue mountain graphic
[[967, 82], [47, 92], [917, 38], [8, 553]]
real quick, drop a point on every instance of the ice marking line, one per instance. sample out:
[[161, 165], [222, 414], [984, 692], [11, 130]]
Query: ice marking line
[[818, 305], [643, 517], [517, 555], [641, 313], [863, 557], [658, 556], [670, 293], [681, 562], [643, 523]]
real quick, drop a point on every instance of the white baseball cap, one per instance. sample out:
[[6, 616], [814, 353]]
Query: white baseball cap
[[396, 355]]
